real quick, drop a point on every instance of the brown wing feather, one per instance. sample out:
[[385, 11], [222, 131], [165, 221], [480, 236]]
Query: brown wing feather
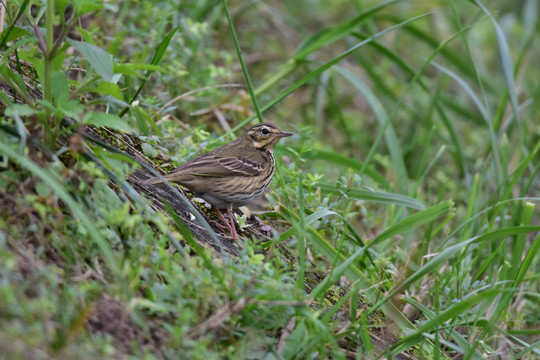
[[241, 165], [213, 166]]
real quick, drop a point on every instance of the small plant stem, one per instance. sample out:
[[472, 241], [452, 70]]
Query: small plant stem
[[47, 84]]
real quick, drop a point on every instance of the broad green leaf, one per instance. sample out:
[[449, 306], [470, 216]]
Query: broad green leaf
[[16, 32], [60, 87], [6, 34], [71, 108], [100, 60], [108, 120], [82, 7], [132, 69], [108, 88], [19, 110], [148, 150]]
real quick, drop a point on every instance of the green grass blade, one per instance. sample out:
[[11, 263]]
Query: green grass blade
[[335, 274], [247, 78], [459, 307], [319, 214], [319, 40], [487, 118], [370, 195], [449, 253], [325, 67], [458, 343], [386, 127], [345, 161], [323, 247], [420, 218], [527, 261], [158, 55], [483, 109], [449, 54], [506, 61], [331, 34]]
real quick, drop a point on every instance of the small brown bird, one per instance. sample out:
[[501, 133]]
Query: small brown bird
[[233, 174]]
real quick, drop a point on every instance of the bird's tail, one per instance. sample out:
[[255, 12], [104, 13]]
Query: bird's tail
[[151, 181]]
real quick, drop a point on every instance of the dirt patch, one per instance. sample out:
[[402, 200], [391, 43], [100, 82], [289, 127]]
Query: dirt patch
[[110, 316]]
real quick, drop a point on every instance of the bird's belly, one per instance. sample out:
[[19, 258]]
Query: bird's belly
[[237, 196]]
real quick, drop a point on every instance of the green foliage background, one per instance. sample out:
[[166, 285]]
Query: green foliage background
[[404, 210]]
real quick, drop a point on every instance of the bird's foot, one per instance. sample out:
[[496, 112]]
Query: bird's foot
[[230, 227]]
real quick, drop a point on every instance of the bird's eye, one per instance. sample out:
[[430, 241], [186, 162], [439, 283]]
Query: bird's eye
[[264, 131]]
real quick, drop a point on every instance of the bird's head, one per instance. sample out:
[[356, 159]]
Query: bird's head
[[265, 135]]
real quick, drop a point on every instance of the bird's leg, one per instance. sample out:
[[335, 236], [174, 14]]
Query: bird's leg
[[227, 225], [233, 226]]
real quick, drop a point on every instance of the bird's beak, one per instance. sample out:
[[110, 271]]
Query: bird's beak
[[284, 134]]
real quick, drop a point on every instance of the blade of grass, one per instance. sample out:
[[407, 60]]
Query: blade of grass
[[506, 61], [300, 241], [158, 55], [514, 273], [433, 324], [335, 32], [345, 161], [318, 41], [397, 156], [397, 59], [370, 195], [487, 118], [415, 220], [308, 221], [325, 67], [451, 56], [242, 63], [335, 274], [448, 253], [323, 247], [457, 338], [386, 127]]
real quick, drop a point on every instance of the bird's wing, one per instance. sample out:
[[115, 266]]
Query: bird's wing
[[210, 165], [241, 165]]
